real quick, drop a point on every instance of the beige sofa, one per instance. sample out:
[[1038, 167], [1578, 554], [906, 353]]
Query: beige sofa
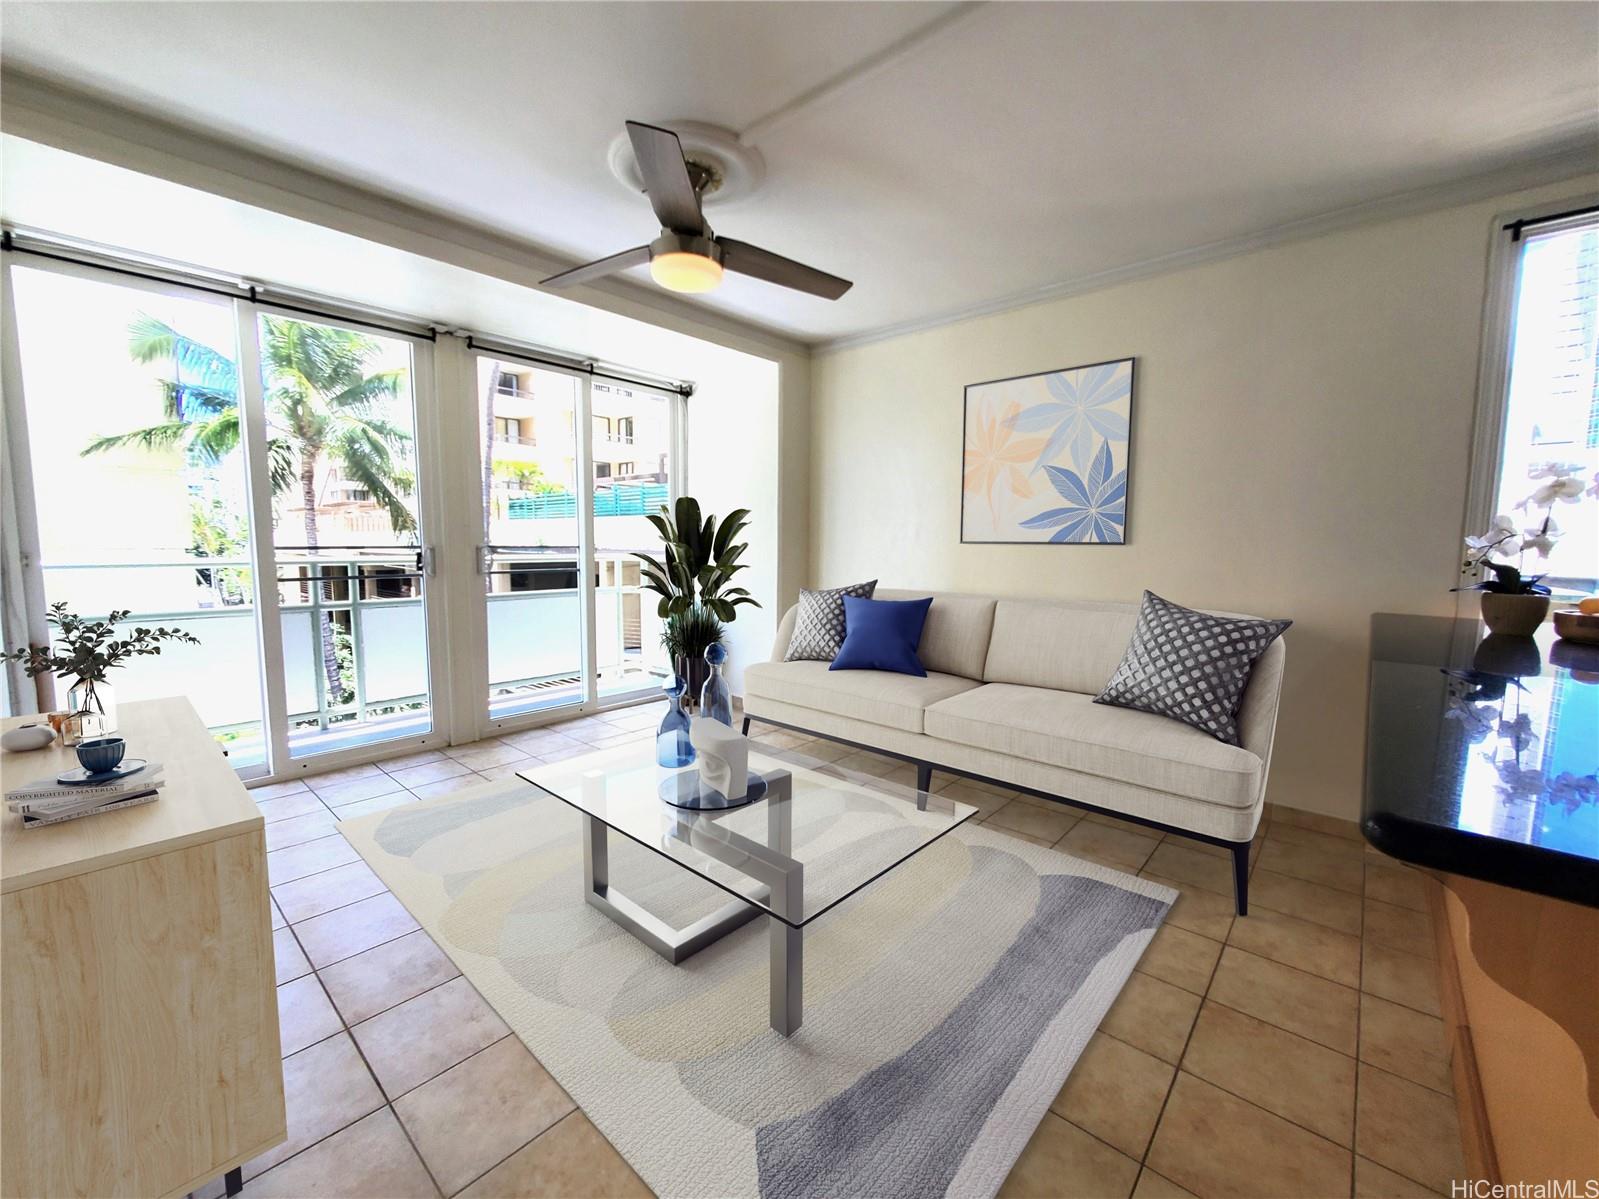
[[1008, 698]]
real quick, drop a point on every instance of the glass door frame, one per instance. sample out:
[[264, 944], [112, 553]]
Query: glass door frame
[[486, 724], [430, 516]]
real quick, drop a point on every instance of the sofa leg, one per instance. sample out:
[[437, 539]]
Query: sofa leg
[[746, 729], [924, 776], [1241, 877]]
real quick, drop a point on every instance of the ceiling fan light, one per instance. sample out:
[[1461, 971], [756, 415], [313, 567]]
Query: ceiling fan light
[[679, 270]]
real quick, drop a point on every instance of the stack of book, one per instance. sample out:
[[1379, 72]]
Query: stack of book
[[52, 801]]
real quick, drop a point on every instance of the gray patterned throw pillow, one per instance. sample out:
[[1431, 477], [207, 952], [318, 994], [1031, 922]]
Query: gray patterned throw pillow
[[819, 623], [1190, 666]]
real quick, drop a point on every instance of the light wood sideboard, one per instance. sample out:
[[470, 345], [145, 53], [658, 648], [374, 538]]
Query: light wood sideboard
[[139, 1050]]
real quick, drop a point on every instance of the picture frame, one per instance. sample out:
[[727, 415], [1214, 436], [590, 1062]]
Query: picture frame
[[1046, 457]]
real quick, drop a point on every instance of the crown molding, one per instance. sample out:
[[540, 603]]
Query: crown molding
[[81, 122], [1575, 158]]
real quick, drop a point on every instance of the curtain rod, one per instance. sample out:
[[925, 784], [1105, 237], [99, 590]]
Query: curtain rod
[[581, 365], [241, 291], [1516, 228], [113, 263]]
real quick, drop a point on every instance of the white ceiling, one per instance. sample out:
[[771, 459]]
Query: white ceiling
[[1015, 147]]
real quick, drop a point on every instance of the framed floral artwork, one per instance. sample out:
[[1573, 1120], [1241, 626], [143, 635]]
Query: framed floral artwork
[[1046, 457]]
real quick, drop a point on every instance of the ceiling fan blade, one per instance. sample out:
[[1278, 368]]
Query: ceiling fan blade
[[751, 260], [666, 182], [599, 268]]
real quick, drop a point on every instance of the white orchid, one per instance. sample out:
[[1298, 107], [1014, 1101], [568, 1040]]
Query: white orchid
[[1552, 469], [1519, 732], [1565, 489], [1541, 537], [1502, 538], [1477, 720], [1518, 782]]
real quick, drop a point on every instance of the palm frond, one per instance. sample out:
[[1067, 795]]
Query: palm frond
[[153, 439], [198, 364], [364, 392], [282, 466], [363, 457]]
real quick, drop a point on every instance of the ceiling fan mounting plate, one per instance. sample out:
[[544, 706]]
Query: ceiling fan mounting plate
[[732, 170]]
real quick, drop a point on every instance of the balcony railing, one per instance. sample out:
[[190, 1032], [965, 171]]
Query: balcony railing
[[534, 650], [619, 499]]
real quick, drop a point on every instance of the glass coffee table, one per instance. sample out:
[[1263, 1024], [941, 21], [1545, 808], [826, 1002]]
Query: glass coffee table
[[819, 835]]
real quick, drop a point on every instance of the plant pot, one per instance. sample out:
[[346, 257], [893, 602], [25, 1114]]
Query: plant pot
[[1518, 615]]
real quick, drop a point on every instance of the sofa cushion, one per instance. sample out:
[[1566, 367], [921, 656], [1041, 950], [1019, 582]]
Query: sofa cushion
[[875, 696], [819, 622], [1190, 666], [1067, 729], [1066, 646], [882, 635], [956, 635]]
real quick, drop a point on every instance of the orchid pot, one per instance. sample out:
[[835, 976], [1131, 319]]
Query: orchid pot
[[1514, 614]]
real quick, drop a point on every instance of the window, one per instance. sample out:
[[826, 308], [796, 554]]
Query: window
[[1540, 417]]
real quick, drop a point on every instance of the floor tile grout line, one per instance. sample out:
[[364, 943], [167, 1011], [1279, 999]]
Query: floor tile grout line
[[577, 1110], [408, 998], [366, 1065], [1360, 1006], [1177, 1070], [373, 1074], [341, 907], [1395, 1169]]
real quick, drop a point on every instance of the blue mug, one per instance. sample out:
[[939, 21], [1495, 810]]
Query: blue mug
[[101, 755]]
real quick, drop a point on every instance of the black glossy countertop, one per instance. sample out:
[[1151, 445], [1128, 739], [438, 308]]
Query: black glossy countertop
[[1482, 752]]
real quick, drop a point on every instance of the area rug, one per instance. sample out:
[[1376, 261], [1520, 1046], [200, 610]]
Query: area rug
[[945, 1004]]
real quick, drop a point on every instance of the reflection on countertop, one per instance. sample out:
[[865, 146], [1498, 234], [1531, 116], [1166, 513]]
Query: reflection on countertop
[[1482, 754]]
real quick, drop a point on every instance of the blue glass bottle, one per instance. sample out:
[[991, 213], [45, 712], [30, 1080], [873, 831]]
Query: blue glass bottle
[[672, 747], [716, 701]]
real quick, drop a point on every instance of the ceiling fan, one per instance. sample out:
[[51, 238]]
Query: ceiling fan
[[687, 256]]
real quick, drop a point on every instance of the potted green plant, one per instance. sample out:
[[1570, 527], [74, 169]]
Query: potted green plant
[[694, 579], [84, 651], [1513, 602]]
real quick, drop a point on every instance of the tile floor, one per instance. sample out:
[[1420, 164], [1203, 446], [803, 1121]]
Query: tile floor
[[1296, 1052]]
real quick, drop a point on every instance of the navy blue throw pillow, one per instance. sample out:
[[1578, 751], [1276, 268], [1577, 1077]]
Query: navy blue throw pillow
[[882, 635]]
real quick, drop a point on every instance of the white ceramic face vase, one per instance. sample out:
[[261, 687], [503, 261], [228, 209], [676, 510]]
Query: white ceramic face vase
[[724, 757]]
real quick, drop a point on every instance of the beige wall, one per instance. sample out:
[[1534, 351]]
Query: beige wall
[[1301, 427]]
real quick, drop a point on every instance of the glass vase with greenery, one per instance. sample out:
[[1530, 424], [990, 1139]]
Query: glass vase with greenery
[[85, 650]]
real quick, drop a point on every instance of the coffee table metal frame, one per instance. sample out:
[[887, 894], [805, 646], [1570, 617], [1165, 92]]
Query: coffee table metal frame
[[779, 879]]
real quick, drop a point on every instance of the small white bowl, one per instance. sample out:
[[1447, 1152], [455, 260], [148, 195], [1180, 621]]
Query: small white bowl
[[29, 736]]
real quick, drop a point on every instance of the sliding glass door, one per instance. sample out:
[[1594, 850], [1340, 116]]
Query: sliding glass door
[[634, 470], [348, 562], [570, 467], [135, 465], [533, 536]]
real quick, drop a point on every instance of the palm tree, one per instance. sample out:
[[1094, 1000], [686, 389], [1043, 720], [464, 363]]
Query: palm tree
[[321, 400]]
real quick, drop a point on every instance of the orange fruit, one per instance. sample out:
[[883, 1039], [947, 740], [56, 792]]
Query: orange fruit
[[1590, 605]]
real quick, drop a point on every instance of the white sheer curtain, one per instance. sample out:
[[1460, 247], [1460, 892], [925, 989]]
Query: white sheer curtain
[[21, 621]]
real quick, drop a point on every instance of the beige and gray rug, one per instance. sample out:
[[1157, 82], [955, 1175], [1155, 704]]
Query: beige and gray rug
[[944, 1005]]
